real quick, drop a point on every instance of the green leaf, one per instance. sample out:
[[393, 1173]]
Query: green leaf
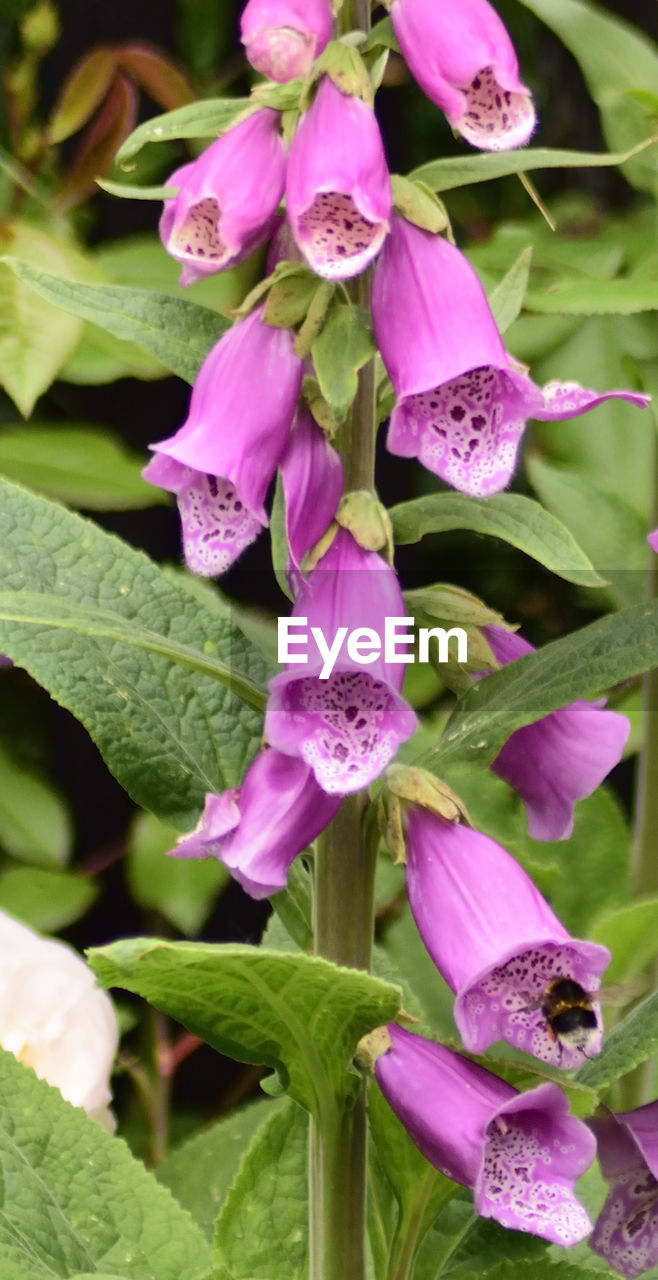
[[296, 1013], [421, 1192], [630, 1042], [178, 333], [182, 890], [34, 823], [590, 297], [262, 1230], [582, 665], [131, 191], [616, 61], [509, 516], [46, 900], [611, 532], [462, 1245], [506, 300], [343, 347], [205, 119], [631, 934], [35, 338], [131, 652], [443, 175], [84, 466], [199, 1172], [74, 1199]]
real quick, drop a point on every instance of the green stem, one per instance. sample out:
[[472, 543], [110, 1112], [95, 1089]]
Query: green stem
[[343, 917], [343, 906]]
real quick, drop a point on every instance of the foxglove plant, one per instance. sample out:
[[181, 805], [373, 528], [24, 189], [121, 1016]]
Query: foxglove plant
[[461, 402], [338, 197], [257, 829], [348, 723], [177, 689], [520, 1153], [626, 1230], [559, 759], [221, 461], [282, 38], [227, 199], [496, 942], [652, 539], [463, 59]]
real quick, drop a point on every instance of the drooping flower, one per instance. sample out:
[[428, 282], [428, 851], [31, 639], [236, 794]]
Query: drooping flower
[[338, 196], [227, 199], [348, 722], [496, 942], [463, 59], [462, 403], [520, 1153], [55, 1019], [282, 38], [257, 829], [222, 460], [652, 539], [312, 476], [626, 1230], [559, 759]]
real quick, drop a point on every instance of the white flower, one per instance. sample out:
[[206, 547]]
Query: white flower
[[55, 1019]]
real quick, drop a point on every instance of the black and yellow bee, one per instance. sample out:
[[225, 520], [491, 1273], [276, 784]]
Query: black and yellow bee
[[569, 1015]]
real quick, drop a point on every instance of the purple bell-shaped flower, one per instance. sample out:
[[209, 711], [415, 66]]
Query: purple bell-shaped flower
[[520, 1153], [257, 829], [500, 948], [559, 759], [227, 199], [462, 57], [338, 189], [222, 460], [461, 402], [342, 713], [282, 38]]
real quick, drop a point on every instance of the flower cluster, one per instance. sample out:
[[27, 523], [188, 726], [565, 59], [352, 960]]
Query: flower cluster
[[461, 403]]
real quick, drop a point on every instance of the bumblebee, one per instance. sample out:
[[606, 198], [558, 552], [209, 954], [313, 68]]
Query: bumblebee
[[569, 1015]]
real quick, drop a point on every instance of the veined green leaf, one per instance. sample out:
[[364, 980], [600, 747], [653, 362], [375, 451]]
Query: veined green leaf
[[200, 1171], [300, 1014], [149, 668], [510, 516], [74, 1199], [630, 1042], [275, 1247], [205, 119], [178, 333]]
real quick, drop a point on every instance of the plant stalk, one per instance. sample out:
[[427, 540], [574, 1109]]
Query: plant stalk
[[343, 907]]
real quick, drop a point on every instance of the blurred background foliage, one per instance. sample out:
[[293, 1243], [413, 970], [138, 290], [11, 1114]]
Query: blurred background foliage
[[79, 406]]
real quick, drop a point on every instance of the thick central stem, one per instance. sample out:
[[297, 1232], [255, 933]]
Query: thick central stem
[[343, 907]]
